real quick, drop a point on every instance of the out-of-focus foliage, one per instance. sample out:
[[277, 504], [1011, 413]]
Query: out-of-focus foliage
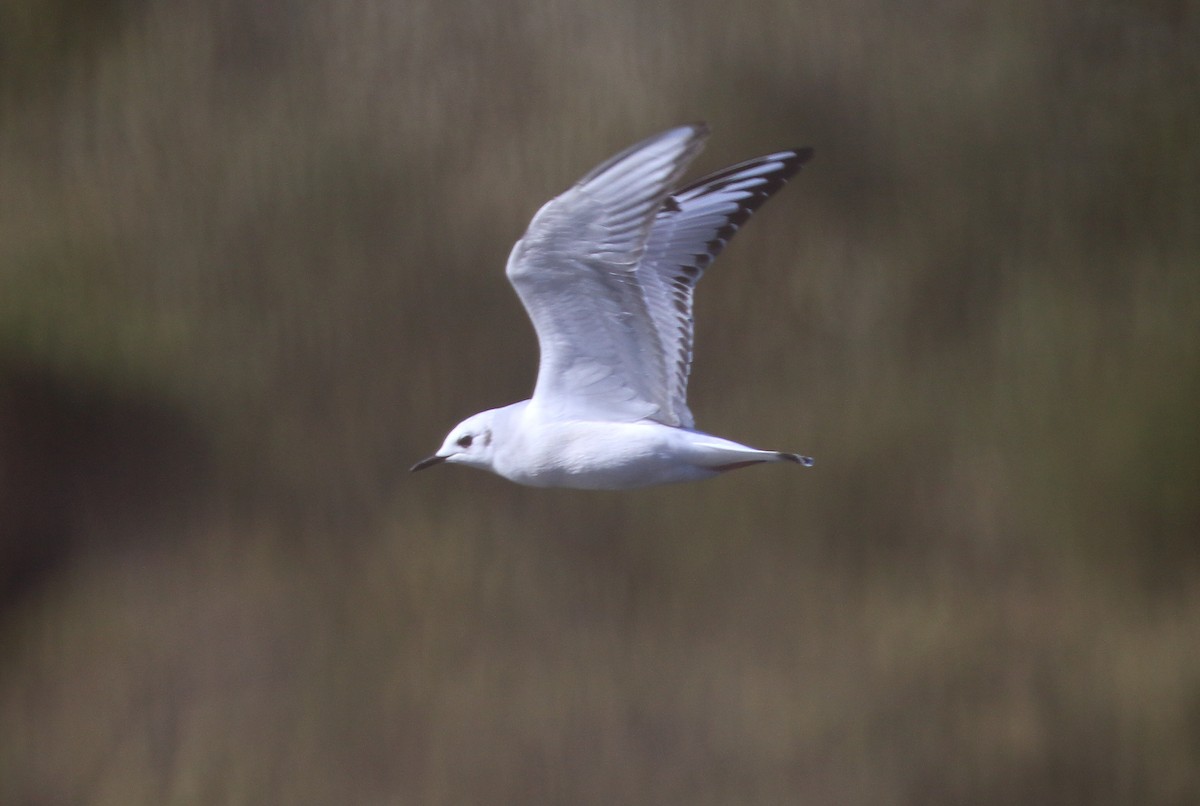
[[251, 267]]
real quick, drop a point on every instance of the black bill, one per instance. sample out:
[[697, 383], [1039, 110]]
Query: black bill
[[424, 463]]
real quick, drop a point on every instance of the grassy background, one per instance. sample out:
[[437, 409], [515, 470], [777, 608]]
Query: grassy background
[[251, 268]]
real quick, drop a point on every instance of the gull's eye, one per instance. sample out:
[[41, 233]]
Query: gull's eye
[[464, 441]]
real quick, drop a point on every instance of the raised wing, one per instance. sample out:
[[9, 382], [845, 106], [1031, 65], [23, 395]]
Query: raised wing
[[576, 272], [689, 231]]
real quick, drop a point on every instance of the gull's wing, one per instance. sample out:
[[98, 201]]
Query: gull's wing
[[576, 272], [689, 231]]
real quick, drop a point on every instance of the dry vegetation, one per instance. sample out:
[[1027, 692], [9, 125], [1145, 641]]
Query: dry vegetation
[[251, 267]]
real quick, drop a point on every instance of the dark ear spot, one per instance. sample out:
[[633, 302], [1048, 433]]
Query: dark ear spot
[[487, 438]]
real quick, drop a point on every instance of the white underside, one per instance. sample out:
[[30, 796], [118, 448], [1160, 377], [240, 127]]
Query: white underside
[[598, 455]]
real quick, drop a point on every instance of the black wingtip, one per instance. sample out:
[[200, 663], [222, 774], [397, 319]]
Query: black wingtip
[[803, 154]]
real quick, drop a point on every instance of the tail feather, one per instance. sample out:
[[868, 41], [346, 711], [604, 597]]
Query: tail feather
[[715, 453], [776, 456]]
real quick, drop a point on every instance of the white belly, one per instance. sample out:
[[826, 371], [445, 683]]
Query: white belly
[[602, 456]]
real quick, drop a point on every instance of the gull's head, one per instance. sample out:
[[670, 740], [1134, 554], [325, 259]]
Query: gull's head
[[468, 443]]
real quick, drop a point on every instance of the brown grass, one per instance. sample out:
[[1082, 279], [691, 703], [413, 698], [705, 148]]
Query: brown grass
[[251, 268]]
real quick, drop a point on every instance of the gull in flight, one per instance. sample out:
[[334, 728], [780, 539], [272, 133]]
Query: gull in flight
[[606, 272]]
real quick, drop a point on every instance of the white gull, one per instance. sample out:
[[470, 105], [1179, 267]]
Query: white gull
[[606, 272]]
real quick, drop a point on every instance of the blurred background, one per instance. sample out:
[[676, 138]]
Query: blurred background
[[251, 268]]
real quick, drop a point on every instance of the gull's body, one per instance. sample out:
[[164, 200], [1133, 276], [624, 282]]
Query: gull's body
[[606, 272]]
